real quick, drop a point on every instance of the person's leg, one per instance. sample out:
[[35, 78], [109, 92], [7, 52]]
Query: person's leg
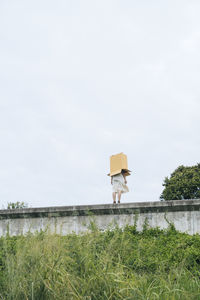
[[114, 197], [119, 196]]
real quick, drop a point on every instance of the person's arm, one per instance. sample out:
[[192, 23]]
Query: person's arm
[[111, 179]]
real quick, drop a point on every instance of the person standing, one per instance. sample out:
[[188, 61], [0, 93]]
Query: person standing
[[119, 186]]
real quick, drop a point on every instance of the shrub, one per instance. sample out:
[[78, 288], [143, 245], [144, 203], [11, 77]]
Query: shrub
[[115, 264]]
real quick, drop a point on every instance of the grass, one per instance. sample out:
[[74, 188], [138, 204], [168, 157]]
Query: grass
[[115, 264]]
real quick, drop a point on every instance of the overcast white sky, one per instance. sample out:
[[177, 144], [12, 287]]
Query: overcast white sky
[[82, 80]]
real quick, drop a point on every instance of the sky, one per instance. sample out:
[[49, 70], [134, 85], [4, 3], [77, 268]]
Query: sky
[[83, 80]]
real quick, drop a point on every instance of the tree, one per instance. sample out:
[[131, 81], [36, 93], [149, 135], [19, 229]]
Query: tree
[[16, 205], [184, 183]]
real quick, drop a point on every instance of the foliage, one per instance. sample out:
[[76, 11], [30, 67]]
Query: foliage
[[115, 264], [184, 183], [16, 205]]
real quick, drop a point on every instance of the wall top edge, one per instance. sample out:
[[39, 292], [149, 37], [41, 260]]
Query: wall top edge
[[156, 206]]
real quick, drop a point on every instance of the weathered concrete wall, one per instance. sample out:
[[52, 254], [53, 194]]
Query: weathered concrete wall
[[184, 214]]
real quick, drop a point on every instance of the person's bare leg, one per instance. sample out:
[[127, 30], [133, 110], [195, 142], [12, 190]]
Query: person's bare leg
[[114, 197], [119, 196]]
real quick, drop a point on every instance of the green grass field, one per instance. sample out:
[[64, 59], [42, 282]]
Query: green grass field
[[115, 264]]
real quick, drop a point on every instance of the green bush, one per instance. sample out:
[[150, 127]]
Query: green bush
[[184, 183], [115, 264]]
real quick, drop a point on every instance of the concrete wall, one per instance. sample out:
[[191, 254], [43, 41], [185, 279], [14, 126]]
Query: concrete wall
[[184, 214]]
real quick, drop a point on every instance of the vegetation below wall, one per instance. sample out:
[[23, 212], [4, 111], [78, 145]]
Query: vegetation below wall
[[116, 264]]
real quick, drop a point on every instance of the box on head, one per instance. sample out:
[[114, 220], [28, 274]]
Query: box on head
[[118, 164]]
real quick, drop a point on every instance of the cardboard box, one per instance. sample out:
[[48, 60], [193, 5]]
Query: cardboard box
[[118, 163]]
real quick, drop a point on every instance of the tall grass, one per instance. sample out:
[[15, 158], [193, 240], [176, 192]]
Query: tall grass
[[115, 264]]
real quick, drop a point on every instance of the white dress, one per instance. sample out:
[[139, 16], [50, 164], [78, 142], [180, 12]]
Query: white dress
[[118, 184]]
